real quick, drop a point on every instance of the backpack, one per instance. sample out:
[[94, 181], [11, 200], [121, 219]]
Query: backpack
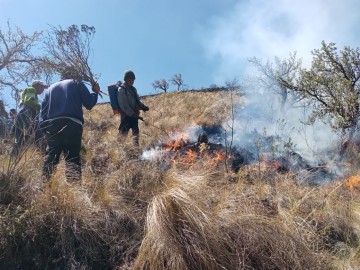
[[29, 98], [113, 90]]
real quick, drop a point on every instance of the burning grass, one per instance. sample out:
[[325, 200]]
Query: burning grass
[[353, 182], [186, 210]]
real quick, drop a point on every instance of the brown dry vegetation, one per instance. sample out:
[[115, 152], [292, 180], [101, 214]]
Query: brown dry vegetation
[[128, 213]]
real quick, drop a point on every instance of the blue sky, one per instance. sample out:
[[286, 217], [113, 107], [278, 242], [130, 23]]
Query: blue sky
[[207, 41]]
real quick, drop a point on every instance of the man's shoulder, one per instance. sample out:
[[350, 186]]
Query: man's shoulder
[[122, 88], [71, 81], [68, 83], [28, 95], [128, 87], [29, 89]]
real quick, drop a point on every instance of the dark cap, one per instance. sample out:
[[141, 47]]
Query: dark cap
[[129, 75], [39, 83], [70, 73]]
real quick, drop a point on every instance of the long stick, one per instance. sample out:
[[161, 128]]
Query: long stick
[[147, 123], [102, 92]]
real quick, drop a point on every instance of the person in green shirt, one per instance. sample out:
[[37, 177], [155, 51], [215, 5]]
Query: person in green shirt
[[26, 127]]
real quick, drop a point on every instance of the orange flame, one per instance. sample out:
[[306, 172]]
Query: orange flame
[[174, 145], [218, 157], [269, 165], [177, 140], [190, 156], [274, 165], [353, 182], [264, 165]]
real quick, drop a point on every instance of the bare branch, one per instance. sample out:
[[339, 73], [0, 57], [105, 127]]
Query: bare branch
[[71, 48], [18, 64], [271, 73]]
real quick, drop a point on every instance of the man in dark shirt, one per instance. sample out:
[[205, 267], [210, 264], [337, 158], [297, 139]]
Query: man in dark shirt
[[62, 120], [130, 106]]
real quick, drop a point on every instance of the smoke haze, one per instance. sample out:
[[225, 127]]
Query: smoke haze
[[269, 28]]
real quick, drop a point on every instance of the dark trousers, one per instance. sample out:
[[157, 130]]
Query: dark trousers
[[26, 130], [64, 136], [128, 123]]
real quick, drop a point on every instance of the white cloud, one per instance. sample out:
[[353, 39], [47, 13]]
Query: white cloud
[[268, 28]]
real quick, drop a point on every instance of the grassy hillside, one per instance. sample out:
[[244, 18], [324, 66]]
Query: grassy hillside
[[178, 211]]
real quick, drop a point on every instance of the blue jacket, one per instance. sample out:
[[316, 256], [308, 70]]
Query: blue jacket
[[65, 99]]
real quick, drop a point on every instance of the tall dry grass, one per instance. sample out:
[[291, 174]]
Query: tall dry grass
[[129, 213], [197, 224]]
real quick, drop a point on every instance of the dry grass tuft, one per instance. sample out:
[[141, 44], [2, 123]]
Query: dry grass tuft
[[10, 188], [265, 243], [195, 225], [179, 234]]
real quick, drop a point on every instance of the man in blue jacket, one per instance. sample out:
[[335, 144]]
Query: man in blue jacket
[[62, 120]]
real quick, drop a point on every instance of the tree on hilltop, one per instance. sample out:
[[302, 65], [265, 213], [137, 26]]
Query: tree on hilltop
[[161, 84], [178, 81]]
